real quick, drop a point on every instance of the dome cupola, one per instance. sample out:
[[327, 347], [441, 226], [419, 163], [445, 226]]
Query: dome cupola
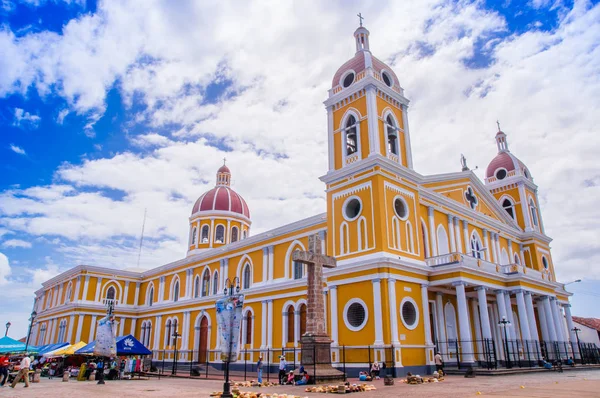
[[505, 164]]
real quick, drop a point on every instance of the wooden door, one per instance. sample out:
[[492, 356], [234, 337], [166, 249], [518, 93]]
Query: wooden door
[[203, 341]]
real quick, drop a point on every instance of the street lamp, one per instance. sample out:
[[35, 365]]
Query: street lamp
[[577, 330], [505, 324], [31, 319], [176, 336], [7, 327], [228, 291], [575, 281]]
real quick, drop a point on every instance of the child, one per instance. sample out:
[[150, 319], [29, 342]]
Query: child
[[290, 378], [303, 381], [362, 376]]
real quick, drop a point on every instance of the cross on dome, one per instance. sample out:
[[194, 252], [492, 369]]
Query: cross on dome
[[360, 18]]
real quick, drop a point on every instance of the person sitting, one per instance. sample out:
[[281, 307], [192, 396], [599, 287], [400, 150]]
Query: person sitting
[[570, 361], [547, 365], [375, 369], [362, 376], [290, 378], [303, 381]]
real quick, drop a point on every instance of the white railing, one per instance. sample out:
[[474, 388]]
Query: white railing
[[393, 157], [352, 158]]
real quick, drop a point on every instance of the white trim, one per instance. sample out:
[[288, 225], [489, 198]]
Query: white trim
[[417, 317], [345, 205], [344, 75], [289, 264], [400, 198], [345, 314]]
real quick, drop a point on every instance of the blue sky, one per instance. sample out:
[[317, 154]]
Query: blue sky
[[107, 109]]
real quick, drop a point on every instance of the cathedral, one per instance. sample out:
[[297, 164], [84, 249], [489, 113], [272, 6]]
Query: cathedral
[[425, 263]]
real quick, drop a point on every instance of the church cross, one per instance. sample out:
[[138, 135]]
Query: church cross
[[360, 18], [224, 160], [471, 198], [315, 261], [498, 123]]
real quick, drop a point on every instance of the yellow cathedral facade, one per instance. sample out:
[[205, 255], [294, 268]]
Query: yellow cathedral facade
[[424, 262]]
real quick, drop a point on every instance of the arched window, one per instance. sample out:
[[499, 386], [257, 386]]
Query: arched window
[[42, 337], [168, 333], [194, 231], [344, 239], [476, 247], [205, 283], [176, 291], [351, 135], [442, 241], [410, 242], [534, 215], [150, 298], [425, 240], [290, 324], [247, 277], [363, 238], [392, 135], [450, 315], [205, 233], [302, 320], [248, 337], [517, 259], [197, 287], [220, 234], [244, 234], [216, 283], [68, 294], [148, 333], [509, 207], [111, 293], [234, 234], [298, 269]]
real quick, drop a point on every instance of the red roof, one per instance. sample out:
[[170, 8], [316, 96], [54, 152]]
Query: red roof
[[503, 160], [222, 198], [223, 169], [593, 323], [357, 64]]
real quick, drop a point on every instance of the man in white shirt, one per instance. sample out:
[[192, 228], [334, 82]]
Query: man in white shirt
[[282, 366], [23, 372]]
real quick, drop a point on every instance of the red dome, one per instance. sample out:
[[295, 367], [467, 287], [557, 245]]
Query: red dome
[[504, 160], [222, 198], [223, 169], [358, 64]]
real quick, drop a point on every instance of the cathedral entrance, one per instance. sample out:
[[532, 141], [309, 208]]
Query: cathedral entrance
[[203, 341]]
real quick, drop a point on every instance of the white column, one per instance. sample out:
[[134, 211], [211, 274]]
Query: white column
[[265, 264], [296, 327], [501, 304], [161, 289], [377, 310], [451, 234], [570, 325], [426, 321], [523, 318], [133, 325], [60, 290], [498, 250], [558, 320], [393, 311], [496, 259], [271, 265], [86, 284], [486, 242], [432, 232], [136, 299], [531, 317], [121, 326], [125, 294], [463, 322], [188, 284], [477, 326], [80, 319], [92, 335], [373, 119], [98, 289], [484, 315], [211, 238], [407, 136], [459, 245], [270, 324], [549, 319], [334, 314], [263, 325], [55, 326], [543, 322], [77, 289], [157, 328], [510, 317], [330, 144], [70, 330], [467, 240], [185, 332], [441, 324], [496, 330]]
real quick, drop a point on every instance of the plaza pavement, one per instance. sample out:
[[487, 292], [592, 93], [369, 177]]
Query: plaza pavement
[[550, 384]]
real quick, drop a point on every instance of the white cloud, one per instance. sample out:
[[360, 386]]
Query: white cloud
[[61, 116], [23, 118], [17, 149], [13, 243], [4, 269], [151, 140]]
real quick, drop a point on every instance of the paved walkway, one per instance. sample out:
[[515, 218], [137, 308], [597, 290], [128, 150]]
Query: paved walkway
[[550, 384]]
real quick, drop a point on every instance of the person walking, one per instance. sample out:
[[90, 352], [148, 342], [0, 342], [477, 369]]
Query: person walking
[[439, 362], [259, 368], [23, 372], [4, 362], [282, 366], [122, 369]]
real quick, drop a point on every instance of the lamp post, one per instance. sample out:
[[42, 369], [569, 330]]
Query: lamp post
[[577, 330], [505, 324], [110, 307], [31, 319], [228, 291], [575, 281], [176, 336], [7, 327]]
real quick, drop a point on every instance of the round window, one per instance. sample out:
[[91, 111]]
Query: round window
[[501, 174], [400, 208], [545, 262], [356, 315], [409, 314], [386, 79], [348, 80], [352, 208]]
